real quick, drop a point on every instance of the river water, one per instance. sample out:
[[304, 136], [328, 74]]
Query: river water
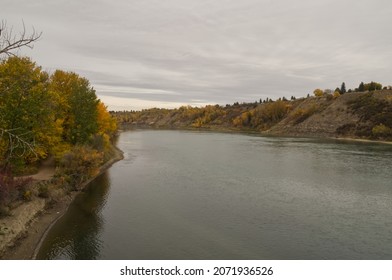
[[201, 195]]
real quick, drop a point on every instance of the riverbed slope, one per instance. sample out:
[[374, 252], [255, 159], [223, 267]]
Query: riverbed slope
[[358, 115]]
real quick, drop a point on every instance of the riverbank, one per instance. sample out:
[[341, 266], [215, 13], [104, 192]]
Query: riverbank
[[352, 115], [260, 133], [23, 231]]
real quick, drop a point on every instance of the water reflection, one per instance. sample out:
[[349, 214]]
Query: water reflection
[[77, 234], [185, 195]]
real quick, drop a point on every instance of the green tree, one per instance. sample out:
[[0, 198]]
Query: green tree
[[372, 86], [83, 104], [361, 87], [343, 88], [76, 106]]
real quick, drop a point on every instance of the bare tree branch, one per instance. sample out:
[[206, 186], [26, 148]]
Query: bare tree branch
[[15, 144], [11, 42]]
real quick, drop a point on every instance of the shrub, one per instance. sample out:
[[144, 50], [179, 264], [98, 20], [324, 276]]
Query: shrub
[[268, 114], [329, 96], [27, 195], [4, 211], [346, 129], [382, 131], [372, 110], [336, 94], [5, 187], [43, 190], [301, 115], [12, 188], [79, 165]]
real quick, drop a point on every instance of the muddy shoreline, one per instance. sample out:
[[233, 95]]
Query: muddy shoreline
[[27, 242]]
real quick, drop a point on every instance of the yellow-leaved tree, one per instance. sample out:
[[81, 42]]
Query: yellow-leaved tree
[[27, 111], [318, 92], [76, 106], [107, 126]]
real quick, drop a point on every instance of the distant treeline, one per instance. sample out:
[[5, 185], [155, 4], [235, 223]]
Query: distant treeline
[[372, 86]]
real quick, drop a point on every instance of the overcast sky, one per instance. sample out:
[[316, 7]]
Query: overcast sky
[[166, 53]]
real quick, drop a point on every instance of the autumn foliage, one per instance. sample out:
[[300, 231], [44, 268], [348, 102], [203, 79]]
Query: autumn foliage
[[78, 165], [44, 114], [340, 112]]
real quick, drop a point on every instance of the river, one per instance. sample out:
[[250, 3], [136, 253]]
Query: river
[[204, 195]]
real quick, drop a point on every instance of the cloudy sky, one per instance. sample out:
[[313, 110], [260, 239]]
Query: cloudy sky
[[166, 53]]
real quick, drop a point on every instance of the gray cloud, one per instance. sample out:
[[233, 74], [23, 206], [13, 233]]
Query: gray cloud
[[190, 52]]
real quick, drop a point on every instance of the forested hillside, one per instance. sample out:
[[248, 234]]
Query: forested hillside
[[365, 112]]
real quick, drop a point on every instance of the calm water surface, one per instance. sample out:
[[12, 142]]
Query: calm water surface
[[198, 195]]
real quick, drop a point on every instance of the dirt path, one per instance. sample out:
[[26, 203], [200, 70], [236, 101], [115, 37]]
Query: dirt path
[[45, 171]]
